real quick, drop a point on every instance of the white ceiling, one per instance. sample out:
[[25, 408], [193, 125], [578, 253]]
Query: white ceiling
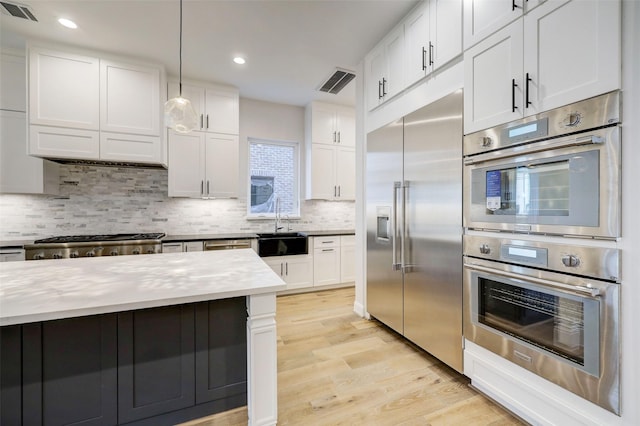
[[291, 46]]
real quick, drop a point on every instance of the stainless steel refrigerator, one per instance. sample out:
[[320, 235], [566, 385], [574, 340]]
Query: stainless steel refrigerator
[[414, 227]]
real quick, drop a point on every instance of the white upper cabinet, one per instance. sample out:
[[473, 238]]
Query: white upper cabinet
[[186, 164], [19, 172], [331, 124], [330, 150], [87, 108], [216, 106], [13, 84], [433, 37], [64, 89], [129, 98], [222, 158], [490, 92], [203, 165], [384, 68], [571, 52], [560, 52], [484, 17]]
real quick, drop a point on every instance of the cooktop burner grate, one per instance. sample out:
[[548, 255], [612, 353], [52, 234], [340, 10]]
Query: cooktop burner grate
[[107, 237]]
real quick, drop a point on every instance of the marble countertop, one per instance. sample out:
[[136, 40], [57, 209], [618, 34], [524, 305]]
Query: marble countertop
[[63, 288]]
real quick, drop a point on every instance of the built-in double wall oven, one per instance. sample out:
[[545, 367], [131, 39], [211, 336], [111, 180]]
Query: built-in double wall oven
[[548, 304]]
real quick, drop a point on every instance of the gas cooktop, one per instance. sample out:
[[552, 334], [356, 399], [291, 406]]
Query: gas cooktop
[[98, 238]]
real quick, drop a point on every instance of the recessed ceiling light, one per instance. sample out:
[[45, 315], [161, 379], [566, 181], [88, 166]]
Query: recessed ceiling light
[[67, 23], [239, 60]]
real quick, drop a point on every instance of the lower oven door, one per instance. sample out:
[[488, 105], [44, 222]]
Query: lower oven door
[[560, 327]]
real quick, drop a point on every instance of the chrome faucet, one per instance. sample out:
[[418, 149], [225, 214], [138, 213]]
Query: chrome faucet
[[277, 215]]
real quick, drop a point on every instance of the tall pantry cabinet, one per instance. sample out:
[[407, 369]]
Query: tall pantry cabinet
[[204, 163]]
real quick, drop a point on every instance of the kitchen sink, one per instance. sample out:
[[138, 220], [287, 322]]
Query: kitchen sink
[[282, 244]]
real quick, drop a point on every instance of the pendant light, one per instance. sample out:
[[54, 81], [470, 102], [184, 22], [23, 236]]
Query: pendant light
[[179, 114]]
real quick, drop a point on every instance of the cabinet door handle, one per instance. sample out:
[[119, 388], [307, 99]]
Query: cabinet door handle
[[430, 53], [513, 95], [384, 86], [527, 102], [338, 190], [335, 191], [201, 187], [424, 59], [207, 187], [281, 269], [286, 267], [379, 89], [207, 121], [335, 139], [339, 141], [201, 121], [514, 6]]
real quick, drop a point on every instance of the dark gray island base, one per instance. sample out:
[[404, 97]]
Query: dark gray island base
[[157, 366]]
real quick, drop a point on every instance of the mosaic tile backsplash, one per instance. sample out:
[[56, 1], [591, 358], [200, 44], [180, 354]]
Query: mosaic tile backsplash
[[97, 200]]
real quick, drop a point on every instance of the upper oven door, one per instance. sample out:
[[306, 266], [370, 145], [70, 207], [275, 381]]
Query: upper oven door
[[564, 186]]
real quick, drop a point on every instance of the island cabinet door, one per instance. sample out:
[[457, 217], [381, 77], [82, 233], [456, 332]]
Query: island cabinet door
[[10, 375], [69, 372], [155, 361], [221, 352]]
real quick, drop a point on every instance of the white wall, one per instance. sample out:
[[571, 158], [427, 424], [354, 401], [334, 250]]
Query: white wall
[[122, 200]]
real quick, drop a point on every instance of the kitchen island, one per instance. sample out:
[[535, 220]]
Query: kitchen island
[[138, 339]]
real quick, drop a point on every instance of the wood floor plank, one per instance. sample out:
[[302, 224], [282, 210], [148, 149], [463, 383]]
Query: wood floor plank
[[335, 368]]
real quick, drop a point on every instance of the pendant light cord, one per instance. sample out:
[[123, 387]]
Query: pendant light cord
[[180, 48]]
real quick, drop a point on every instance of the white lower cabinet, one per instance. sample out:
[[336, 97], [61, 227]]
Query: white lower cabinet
[[172, 247], [326, 260], [347, 258], [333, 260], [296, 271]]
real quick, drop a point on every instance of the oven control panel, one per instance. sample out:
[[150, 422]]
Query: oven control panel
[[588, 261]]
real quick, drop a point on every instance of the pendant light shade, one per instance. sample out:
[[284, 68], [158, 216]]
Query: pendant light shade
[[179, 114]]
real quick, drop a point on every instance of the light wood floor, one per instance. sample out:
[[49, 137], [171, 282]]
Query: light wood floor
[[335, 368]]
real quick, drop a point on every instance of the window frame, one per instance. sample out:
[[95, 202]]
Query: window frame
[[296, 173]]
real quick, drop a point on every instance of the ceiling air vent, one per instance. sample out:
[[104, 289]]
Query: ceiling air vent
[[337, 81], [17, 10]]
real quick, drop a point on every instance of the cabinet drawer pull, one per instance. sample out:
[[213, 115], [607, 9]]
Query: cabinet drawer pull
[[327, 249], [327, 242]]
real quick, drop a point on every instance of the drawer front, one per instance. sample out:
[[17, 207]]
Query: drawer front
[[330, 241]]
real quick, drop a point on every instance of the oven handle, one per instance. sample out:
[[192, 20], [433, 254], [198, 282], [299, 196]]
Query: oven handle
[[535, 147], [593, 292]]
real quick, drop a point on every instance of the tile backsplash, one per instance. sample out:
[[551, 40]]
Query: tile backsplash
[[97, 200]]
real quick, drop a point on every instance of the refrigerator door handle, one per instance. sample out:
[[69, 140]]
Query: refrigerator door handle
[[403, 232], [395, 265]]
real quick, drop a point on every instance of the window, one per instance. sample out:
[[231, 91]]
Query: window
[[273, 175]]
